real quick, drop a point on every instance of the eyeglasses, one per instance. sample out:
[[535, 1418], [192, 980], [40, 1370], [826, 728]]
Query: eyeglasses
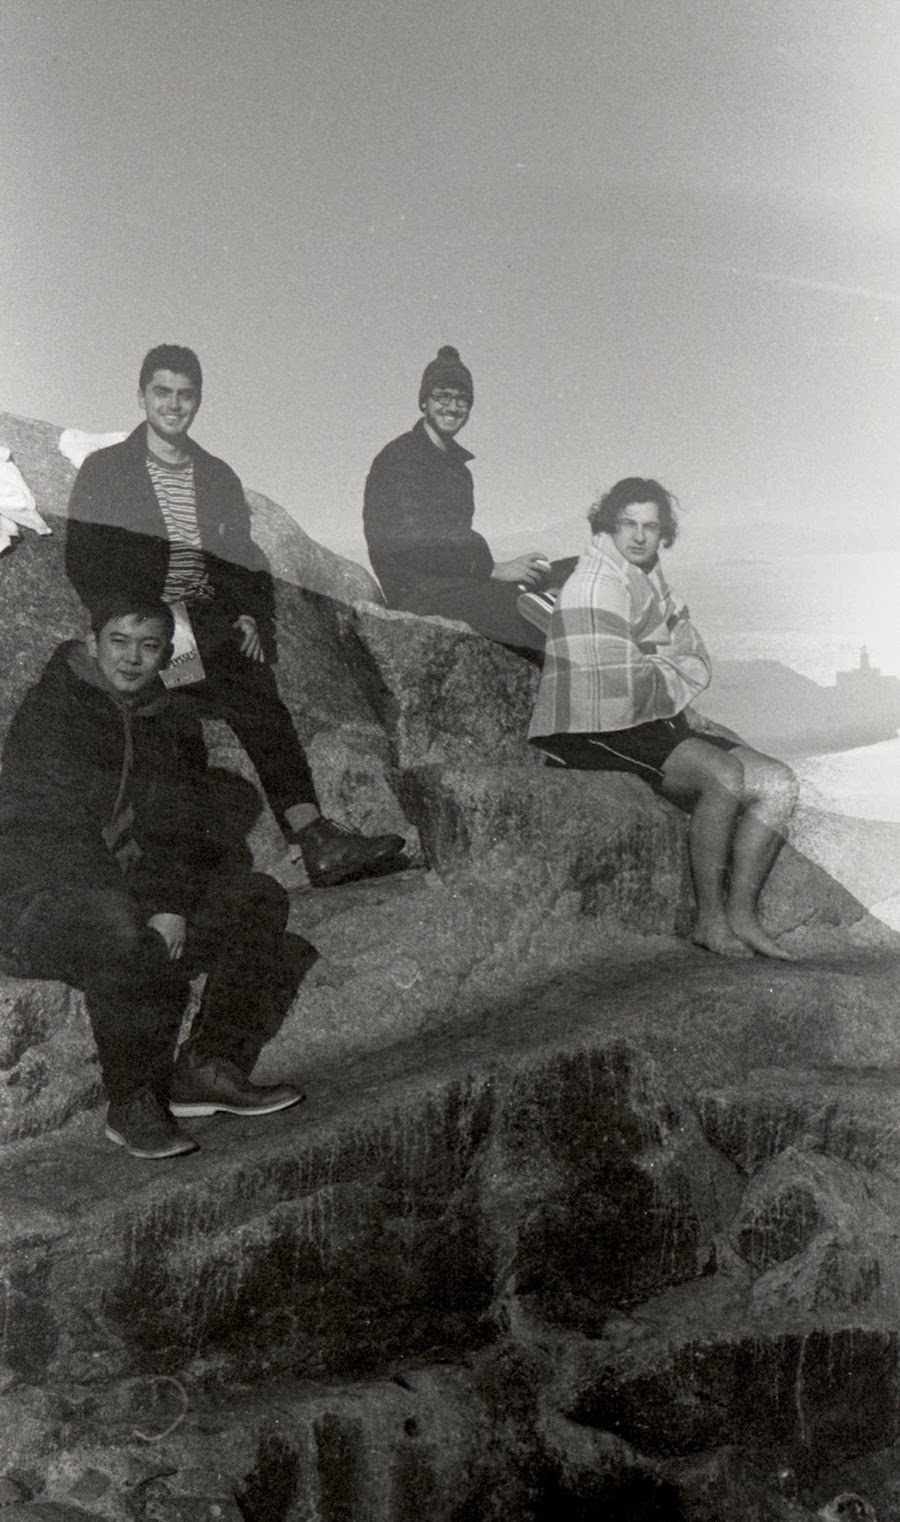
[[450, 399]]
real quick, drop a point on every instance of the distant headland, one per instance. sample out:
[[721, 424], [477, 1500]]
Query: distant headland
[[789, 714]]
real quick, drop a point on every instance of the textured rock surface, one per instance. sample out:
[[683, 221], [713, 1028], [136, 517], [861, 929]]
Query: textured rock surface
[[577, 1220], [413, 725], [443, 693], [499, 1275]]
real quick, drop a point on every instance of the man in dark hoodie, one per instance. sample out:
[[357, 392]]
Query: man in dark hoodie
[[157, 516], [115, 877]]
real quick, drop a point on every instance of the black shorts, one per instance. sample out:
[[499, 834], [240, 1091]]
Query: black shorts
[[643, 750]]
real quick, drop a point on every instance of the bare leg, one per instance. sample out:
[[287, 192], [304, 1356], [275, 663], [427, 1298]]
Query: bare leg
[[770, 793], [715, 778]]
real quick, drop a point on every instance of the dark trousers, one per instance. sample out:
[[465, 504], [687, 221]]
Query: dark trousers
[[245, 694], [486, 605], [99, 940]]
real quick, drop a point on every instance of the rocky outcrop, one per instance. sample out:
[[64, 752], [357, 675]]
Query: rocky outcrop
[[576, 1218], [514, 1271], [415, 725]]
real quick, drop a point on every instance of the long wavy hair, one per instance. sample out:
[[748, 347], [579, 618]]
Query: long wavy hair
[[604, 514]]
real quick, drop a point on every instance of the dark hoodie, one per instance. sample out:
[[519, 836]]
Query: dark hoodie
[[98, 792]]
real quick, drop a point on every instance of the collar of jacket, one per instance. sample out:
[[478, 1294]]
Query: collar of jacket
[[136, 444], [603, 544], [453, 451], [603, 547]]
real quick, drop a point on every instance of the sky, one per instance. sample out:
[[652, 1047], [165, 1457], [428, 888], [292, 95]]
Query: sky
[[663, 235]]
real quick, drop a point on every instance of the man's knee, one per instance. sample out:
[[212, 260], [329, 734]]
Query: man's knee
[[114, 931], [114, 914], [771, 782], [245, 907], [779, 786], [728, 773], [64, 931], [267, 901], [695, 766]]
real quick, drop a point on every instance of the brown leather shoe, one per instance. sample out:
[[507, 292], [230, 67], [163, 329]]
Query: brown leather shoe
[[333, 854], [203, 1085]]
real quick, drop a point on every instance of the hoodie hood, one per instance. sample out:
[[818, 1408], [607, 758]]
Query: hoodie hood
[[76, 656], [74, 659]]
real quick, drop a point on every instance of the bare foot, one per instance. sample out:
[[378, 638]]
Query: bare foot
[[752, 934], [718, 936]]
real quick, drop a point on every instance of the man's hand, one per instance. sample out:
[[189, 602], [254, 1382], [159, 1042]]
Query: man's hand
[[251, 644], [172, 928], [530, 570]]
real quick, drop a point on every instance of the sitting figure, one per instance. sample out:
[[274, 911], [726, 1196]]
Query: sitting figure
[[158, 517], [623, 662], [115, 878], [419, 507]]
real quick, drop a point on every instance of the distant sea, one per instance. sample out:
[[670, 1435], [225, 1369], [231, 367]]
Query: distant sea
[[813, 615]]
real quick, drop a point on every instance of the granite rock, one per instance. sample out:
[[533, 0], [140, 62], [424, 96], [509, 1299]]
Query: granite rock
[[577, 1219]]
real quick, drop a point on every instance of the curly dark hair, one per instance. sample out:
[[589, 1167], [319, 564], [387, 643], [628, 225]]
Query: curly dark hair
[[603, 515], [174, 357]]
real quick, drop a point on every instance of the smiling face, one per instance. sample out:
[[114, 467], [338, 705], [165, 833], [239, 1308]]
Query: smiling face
[[637, 534], [446, 410], [171, 402], [131, 651]]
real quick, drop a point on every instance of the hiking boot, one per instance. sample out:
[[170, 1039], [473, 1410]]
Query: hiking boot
[[144, 1128], [202, 1085], [333, 854]]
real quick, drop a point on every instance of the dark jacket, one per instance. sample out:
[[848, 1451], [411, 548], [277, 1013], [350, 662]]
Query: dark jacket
[[81, 768], [419, 506], [116, 537]]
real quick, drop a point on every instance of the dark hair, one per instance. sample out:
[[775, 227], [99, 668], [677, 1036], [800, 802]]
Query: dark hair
[[131, 605], [603, 515], [172, 357]]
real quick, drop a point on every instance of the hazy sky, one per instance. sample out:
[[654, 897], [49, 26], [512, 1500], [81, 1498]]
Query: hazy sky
[[662, 233]]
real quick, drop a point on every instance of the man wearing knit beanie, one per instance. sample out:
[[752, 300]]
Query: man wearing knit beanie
[[419, 507], [447, 371]]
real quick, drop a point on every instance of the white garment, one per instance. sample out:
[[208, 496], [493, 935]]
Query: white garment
[[185, 663], [18, 509], [76, 444]]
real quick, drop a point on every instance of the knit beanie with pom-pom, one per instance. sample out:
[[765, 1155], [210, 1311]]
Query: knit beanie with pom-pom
[[447, 370]]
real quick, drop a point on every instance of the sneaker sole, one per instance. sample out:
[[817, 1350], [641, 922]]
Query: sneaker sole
[[177, 1148], [212, 1107]]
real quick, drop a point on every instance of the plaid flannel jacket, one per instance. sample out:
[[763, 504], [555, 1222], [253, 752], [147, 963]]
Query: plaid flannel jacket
[[620, 650]]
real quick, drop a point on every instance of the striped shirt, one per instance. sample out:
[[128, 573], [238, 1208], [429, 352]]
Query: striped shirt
[[187, 578]]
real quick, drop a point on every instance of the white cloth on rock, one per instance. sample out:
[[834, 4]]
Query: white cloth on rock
[[76, 444], [18, 508]]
